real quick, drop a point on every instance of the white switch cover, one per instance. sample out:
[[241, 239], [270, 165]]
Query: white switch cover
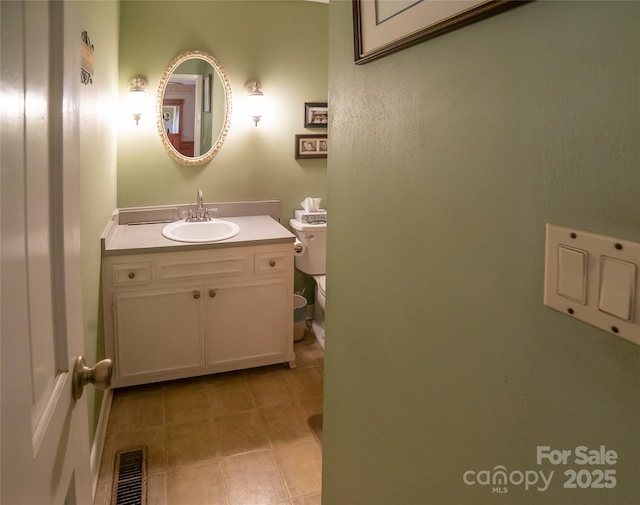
[[572, 273], [594, 278], [617, 287]]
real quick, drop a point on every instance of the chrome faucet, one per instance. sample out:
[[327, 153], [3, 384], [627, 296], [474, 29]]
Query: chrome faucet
[[202, 213]]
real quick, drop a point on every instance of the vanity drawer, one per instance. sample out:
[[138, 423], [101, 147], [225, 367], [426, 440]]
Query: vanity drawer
[[223, 266], [269, 263], [129, 274]]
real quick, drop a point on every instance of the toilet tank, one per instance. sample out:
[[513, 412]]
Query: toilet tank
[[314, 239]]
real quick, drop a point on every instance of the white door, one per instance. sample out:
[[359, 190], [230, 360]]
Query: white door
[[45, 440]]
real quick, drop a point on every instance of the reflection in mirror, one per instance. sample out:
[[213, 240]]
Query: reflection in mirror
[[193, 107]]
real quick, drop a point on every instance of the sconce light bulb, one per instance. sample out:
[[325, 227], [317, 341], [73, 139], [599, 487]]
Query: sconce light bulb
[[255, 101], [137, 99]]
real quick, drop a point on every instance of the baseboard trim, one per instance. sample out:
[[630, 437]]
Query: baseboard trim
[[99, 438]]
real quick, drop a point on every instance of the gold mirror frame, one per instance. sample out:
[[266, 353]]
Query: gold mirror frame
[[226, 122]]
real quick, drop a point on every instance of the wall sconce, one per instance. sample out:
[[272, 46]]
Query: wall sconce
[[137, 99], [255, 100]]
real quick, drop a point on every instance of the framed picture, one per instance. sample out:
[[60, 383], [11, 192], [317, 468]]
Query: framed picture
[[316, 115], [86, 60], [381, 27], [311, 146], [206, 102]]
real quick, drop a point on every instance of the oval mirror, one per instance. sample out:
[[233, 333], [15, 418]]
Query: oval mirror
[[193, 107]]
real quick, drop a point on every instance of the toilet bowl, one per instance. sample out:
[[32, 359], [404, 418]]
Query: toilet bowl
[[313, 262]]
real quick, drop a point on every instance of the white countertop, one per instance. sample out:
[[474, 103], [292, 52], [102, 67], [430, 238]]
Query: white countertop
[[146, 238]]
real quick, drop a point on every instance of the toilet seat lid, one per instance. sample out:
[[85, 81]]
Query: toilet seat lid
[[321, 280]]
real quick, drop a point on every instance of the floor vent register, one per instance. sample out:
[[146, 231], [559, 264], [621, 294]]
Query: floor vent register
[[130, 479]]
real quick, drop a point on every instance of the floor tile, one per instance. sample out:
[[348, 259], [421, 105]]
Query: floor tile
[[229, 397], [186, 401], [157, 489], [307, 383], [191, 443], [196, 485], [137, 409], [301, 466], [249, 463], [272, 388], [240, 433], [314, 499], [253, 478], [308, 352], [264, 488], [287, 423]]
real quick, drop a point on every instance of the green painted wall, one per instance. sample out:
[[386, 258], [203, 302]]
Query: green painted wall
[[440, 356], [97, 171], [283, 44]]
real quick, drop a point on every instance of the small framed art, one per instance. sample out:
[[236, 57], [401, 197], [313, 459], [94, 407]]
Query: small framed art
[[311, 146], [316, 115]]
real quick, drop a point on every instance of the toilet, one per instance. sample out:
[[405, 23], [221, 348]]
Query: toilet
[[313, 262]]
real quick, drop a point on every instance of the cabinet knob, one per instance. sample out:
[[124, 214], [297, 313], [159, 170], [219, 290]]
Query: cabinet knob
[[196, 294], [212, 293], [132, 275], [272, 263]]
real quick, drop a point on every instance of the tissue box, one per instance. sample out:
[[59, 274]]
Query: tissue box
[[317, 217]]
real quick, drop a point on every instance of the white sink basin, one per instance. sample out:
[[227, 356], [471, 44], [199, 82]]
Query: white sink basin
[[200, 231]]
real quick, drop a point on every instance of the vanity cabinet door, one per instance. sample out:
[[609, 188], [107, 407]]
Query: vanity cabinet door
[[158, 332], [247, 322]]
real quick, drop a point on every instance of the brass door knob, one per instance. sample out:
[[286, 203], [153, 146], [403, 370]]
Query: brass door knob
[[99, 375]]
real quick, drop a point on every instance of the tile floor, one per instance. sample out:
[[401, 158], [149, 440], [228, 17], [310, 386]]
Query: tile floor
[[233, 438]]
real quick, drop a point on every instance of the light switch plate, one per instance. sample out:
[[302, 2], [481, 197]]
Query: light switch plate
[[611, 280]]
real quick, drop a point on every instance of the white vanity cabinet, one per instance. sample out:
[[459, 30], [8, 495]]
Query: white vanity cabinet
[[156, 332], [178, 314]]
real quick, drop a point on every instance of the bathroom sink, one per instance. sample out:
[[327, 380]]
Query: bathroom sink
[[200, 231]]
